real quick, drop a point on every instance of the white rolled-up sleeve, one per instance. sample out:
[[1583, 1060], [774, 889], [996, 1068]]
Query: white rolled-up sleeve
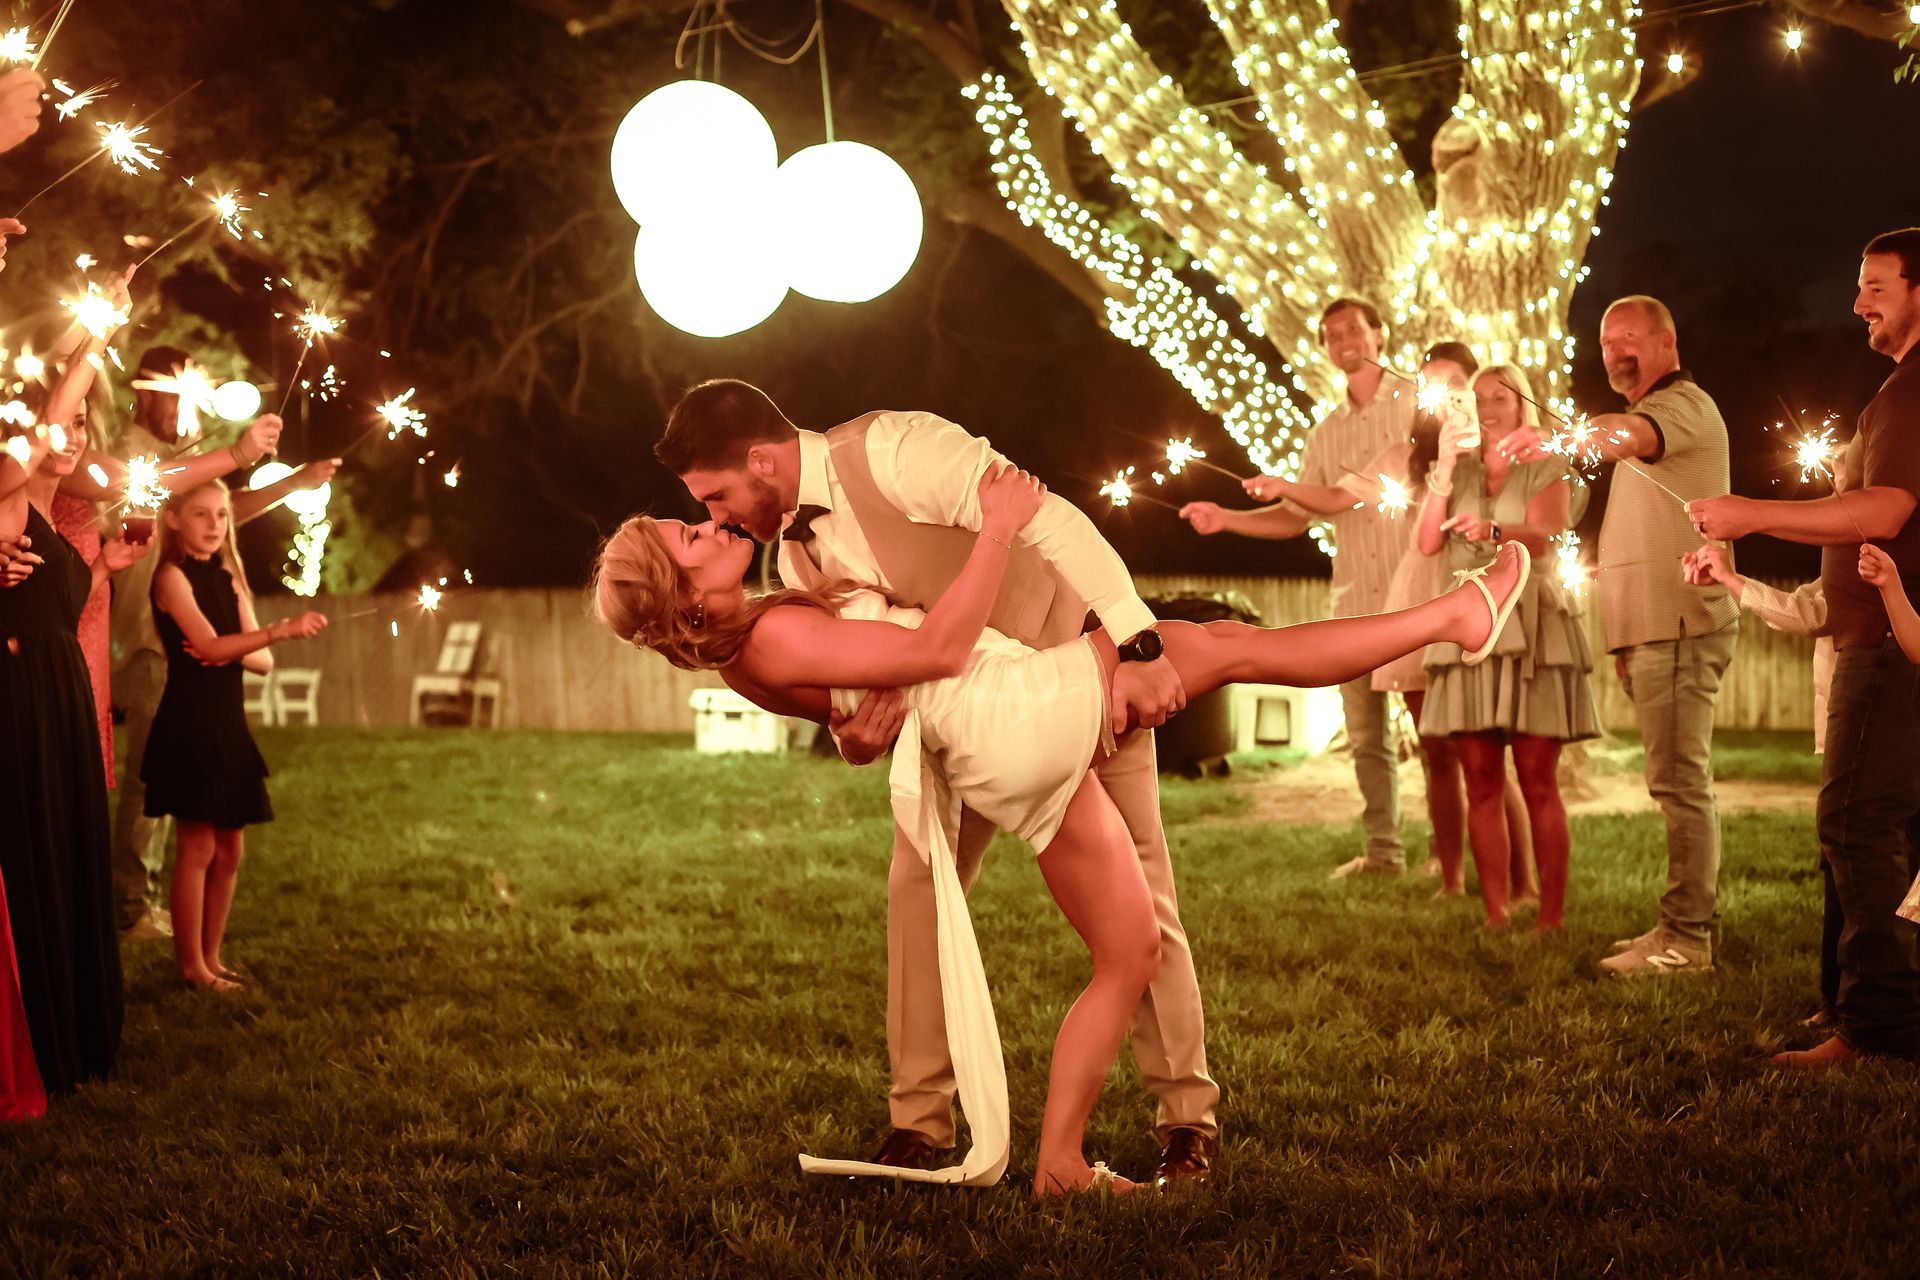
[[1803, 610], [930, 470]]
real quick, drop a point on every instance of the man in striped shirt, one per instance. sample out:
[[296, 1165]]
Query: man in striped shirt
[[1376, 416], [1671, 640]]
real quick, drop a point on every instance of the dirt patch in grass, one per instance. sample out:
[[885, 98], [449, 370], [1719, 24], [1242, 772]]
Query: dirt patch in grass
[[1321, 789]]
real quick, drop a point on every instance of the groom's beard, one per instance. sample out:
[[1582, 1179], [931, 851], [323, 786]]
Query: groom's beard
[[761, 521]]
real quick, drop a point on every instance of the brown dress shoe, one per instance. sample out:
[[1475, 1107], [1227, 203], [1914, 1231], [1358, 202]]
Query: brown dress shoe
[[1187, 1158], [908, 1149], [1830, 1052]]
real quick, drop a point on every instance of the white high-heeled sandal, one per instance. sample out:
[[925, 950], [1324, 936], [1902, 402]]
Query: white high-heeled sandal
[[1500, 612]]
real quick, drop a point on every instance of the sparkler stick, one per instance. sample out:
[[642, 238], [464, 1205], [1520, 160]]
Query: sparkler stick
[[314, 323], [226, 210], [59, 17]]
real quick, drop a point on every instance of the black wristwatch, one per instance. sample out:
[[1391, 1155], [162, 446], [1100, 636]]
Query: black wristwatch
[[1143, 647]]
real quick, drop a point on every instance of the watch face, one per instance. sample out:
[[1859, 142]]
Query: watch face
[[1145, 647]]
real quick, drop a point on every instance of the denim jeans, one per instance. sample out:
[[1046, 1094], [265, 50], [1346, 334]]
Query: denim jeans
[[1376, 768], [1869, 800], [1673, 684]]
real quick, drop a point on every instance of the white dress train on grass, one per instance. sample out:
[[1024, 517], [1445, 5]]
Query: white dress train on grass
[[1011, 737]]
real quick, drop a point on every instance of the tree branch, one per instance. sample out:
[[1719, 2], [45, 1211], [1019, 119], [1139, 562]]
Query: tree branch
[[1858, 15]]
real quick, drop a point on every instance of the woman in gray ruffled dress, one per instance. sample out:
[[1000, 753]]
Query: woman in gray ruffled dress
[[1532, 693]]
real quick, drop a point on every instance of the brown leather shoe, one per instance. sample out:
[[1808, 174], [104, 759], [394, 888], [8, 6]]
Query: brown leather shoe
[[1188, 1158], [1831, 1052], [908, 1149]]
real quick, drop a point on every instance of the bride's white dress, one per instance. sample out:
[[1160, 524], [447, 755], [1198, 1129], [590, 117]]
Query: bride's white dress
[[1014, 733], [1010, 737]]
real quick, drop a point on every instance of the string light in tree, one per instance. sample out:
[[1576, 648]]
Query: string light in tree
[[1524, 164]]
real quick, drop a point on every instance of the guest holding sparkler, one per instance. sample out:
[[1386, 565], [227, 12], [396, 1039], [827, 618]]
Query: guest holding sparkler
[[202, 767], [139, 843], [1533, 693], [54, 858], [1369, 542], [1870, 778], [1802, 611], [1445, 377], [1671, 639], [20, 90]]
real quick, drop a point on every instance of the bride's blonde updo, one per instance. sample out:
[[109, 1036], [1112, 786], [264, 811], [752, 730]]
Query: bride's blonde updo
[[645, 598]]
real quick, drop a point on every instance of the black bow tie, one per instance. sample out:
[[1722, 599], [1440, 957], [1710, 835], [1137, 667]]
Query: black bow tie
[[800, 529]]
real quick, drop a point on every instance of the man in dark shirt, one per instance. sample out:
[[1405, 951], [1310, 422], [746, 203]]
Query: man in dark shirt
[[1870, 782]]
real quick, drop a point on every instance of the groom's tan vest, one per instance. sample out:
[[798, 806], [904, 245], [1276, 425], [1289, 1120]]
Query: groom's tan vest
[[1035, 605]]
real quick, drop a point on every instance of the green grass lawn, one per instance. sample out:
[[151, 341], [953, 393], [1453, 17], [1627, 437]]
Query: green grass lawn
[[534, 1004]]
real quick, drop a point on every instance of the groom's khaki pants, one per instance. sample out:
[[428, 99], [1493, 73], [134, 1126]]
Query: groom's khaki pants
[[1168, 1031]]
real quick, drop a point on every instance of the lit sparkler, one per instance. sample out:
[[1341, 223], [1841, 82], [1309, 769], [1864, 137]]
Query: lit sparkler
[[1814, 451], [315, 324], [146, 491], [194, 388], [1394, 496], [17, 46], [1573, 571], [95, 312], [1120, 491], [1182, 454], [227, 210], [400, 415], [78, 100], [122, 144], [429, 597], [1430, 396], [452, 477]]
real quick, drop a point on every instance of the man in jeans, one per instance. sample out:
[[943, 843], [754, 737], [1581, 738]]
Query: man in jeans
[[1870, 778], [1671, 640], [1368, 544]]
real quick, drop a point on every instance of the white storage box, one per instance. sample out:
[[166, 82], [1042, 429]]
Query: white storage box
[[725, 721]]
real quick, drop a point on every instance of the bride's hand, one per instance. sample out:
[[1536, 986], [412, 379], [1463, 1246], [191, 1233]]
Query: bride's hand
[[1009, 498]]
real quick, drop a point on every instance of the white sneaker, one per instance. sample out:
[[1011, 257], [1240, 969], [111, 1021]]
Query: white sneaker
[[1621, 944], [1657, 956], [1365, 866], [154, 923]]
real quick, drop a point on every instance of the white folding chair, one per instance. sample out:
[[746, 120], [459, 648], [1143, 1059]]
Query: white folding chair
[[296, 691]]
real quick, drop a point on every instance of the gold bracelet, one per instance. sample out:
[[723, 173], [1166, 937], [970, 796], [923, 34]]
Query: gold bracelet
[[990, 538]]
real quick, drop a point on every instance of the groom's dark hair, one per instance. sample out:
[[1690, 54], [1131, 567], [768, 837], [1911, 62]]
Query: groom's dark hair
[[715, 424]]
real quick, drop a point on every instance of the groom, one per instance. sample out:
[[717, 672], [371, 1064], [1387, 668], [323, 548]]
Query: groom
[[881, 500]]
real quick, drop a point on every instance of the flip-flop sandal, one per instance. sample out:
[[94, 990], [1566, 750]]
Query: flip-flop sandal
[[1500, 612]]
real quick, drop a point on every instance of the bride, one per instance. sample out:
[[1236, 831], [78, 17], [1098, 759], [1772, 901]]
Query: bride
[[1017, 730]]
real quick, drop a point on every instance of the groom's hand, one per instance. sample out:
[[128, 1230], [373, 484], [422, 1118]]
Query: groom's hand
[[1146, 694], [868, 733]]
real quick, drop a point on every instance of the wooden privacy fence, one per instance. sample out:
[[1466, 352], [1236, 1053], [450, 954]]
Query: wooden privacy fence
[[560, 669]]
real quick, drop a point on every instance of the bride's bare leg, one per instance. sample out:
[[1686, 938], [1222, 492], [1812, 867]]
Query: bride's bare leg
[[1212, 654], [1094, 874]]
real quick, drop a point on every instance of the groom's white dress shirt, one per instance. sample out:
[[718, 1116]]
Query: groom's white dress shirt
[[930, 470]]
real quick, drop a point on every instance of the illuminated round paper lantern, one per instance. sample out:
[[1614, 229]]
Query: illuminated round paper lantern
[[852, 220], [710, 275], [308, 504], [236, 401], [689, 145]]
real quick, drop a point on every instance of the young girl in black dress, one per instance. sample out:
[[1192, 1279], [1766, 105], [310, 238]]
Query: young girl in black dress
[[201, 764]]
